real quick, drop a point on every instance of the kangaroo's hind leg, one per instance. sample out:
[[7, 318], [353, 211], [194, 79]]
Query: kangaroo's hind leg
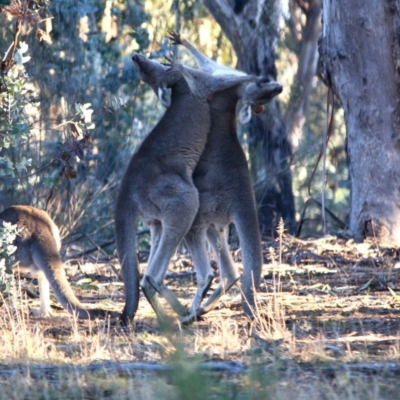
[[153, 280], [178, 213], [197, 244], [44, 291], [155, 237], [150, 292], [229, 274]]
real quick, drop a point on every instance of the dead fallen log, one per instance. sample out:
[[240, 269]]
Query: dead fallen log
[[369, 368], [330, 370], [55, 374], [126, 369]]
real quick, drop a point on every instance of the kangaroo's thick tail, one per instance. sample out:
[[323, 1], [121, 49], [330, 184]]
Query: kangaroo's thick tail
[[246, 223], [47, 258], [125, 233]]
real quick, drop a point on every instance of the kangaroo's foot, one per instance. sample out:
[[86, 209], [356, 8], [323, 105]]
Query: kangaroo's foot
[[210, 304], [203, 287], [152, 289], [212, 301]]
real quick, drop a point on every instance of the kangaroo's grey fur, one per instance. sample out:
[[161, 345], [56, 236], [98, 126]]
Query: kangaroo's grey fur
[[38, 245], [158, 182], [226, 193]]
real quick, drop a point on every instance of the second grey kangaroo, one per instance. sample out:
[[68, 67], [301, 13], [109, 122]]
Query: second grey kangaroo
[[158, 183], [38, 245], [226, 194]]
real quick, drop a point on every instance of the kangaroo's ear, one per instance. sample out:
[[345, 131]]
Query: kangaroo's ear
[[245, 114], [164, 96]]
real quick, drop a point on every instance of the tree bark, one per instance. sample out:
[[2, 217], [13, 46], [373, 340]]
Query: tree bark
[[360, 61], [252, 26], [307, 42]]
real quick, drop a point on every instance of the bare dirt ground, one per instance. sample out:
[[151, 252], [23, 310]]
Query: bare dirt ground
[[327, 308], [331, 291]]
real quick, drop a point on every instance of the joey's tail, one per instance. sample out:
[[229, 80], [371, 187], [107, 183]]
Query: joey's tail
[[246, 223], [49, 261], [125, 233]]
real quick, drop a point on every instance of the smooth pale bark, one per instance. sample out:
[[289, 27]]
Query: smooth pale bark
[[360, 61]]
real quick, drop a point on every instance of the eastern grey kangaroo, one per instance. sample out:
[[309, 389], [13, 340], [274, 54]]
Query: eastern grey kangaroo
[[225, 188], [158, 183], [38, 245]]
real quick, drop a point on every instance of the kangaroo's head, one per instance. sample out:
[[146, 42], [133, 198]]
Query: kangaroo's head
[[158, 76], [201, 84], [255, 95]]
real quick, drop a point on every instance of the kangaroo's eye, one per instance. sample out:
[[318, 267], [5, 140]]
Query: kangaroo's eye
[[264, 80]]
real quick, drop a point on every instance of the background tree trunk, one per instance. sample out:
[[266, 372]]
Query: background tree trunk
[[360, 57], [305, 35], [253, 28]]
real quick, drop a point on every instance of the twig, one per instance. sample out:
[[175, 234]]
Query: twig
[[308, 202], [93, 249], [8, 59], [30, 293], [327, 135], [180, 275]]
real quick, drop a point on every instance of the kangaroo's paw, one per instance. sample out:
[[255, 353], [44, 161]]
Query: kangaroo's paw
[[174, 37]]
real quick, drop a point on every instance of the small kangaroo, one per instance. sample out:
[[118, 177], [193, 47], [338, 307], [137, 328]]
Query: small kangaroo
[[226, 192], [38, 245], [158, 182]]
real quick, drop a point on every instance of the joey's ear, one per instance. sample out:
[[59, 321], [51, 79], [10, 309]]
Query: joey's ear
[[164, 95], [245, 114]]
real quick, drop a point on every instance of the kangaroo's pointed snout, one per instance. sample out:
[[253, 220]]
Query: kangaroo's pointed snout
[[275, 88], [136, 58]]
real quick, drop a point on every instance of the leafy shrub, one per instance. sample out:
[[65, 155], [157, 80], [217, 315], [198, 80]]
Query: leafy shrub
[[8, 233]]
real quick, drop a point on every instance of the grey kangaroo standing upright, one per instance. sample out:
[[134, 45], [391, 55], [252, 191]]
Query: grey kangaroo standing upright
[[226, 193], [38, 245], [158, 183]]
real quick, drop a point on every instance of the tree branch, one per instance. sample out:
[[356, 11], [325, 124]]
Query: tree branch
[[227, 19], [307, 69]]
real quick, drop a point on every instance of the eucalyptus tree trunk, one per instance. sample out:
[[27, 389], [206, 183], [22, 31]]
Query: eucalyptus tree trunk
[[360, 54], [252, 26], [306, 42]]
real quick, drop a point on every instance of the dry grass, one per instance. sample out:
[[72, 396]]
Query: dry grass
[[327, 327]]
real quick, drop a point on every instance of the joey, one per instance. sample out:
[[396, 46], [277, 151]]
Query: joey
[[38, 245]]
